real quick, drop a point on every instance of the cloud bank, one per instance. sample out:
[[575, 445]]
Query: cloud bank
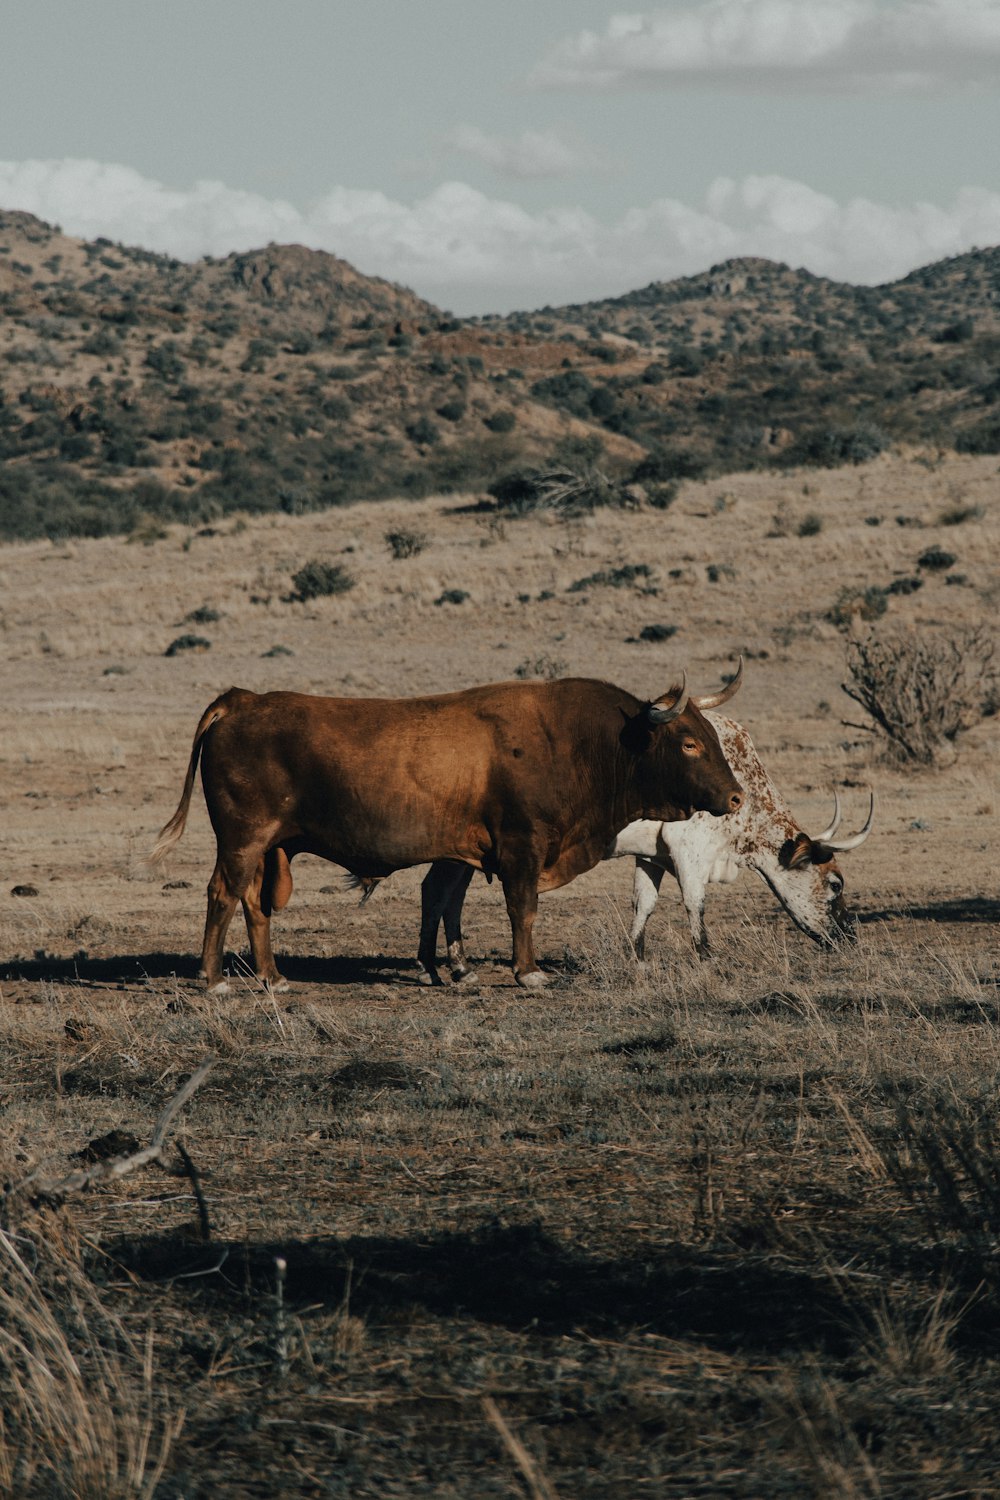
[[532, 154], [842, 45], [473, 253]]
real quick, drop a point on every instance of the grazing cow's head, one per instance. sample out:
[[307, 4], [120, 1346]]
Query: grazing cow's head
[[812, 886], [682, 749]]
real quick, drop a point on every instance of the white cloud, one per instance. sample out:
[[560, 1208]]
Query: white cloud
[[850, 45], [532, 154], [467, 251]]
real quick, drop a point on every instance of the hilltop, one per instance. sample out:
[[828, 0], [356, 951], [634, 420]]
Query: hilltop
[[139, 389]]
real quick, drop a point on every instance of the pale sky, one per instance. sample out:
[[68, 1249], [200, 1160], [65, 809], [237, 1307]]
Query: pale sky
[[539, 151]]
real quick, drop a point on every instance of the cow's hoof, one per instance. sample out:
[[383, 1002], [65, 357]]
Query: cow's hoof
[[428, 977], [221, 988], [533, 980], [277, 985], [463, 976]]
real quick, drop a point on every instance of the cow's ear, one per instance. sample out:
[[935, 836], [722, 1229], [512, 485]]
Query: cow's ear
[[796, 852]]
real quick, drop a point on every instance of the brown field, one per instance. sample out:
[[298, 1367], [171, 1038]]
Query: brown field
[[681, 1230]]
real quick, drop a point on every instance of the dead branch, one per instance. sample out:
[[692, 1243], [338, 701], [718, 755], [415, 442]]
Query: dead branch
[[53, 1191]]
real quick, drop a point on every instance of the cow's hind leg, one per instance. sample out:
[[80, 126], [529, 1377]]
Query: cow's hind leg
[[453, 924], [442, 892], [230, 880], [257, 910]]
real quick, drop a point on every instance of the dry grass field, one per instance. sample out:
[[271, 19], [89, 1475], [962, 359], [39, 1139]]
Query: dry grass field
[[723, 1229]]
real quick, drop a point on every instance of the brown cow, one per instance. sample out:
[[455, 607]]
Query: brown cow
[[529, 781]]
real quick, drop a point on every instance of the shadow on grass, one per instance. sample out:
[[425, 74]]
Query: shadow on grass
[[958, 909], [132, 968], [518, 1277]]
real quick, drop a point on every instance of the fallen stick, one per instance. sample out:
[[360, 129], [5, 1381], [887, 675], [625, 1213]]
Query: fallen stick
[[54, 1191]]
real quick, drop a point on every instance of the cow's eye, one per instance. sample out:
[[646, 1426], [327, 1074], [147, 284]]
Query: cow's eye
[[836, 884], [690, 747]]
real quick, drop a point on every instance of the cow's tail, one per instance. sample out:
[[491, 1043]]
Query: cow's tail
[[170, 833], [366, 884]]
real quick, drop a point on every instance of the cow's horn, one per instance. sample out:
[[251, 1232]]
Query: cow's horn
[[854, 839], [662, 713], [713, 700], [827, 834]]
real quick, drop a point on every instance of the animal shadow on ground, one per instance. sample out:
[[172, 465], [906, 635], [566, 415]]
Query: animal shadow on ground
[[132, 968], [958, 909], [515, 1276]]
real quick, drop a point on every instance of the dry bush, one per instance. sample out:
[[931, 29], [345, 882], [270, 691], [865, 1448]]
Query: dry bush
[[922, 691], [79, 1413]]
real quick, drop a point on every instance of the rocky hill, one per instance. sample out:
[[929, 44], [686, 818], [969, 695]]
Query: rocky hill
[[137, 389]]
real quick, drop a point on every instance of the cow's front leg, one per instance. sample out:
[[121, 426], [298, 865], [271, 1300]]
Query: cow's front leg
[[645, 890], [521, 895]]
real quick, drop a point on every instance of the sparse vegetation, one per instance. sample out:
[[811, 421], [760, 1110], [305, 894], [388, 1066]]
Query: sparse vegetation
[[544, 666], [320, 580], [405, 543], [922, 690], [187, 642], [859, 603]]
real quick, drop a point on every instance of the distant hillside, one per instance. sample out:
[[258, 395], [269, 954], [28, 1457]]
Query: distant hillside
[[137, 389]]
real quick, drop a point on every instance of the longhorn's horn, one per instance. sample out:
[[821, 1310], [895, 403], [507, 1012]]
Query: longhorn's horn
[[662, 713], [827, 834], [713, 700], [854, 839]]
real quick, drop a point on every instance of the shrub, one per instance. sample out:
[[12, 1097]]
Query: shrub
[[548, 667], [503, 420], [936, 560], [187, 643], [922, 691], [452, 596], [905, 585], [423, 432], [615, 578], [657, 632], [811, 524], [857, 603], [566, 490], [452, 411], [317, 580], [406, 543], [955, 515]]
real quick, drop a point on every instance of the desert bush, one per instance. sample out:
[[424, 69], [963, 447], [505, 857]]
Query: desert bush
[[922, 691], [545, 666], [614, 578], [810, 525], [187, 642], [936, 560], [423, 432], [452, 411], [567, 490], [956, 515], [452, 596], [503, 420], [317, 580], [406, 543], [657, 632], [905, 585], [856, 602]]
